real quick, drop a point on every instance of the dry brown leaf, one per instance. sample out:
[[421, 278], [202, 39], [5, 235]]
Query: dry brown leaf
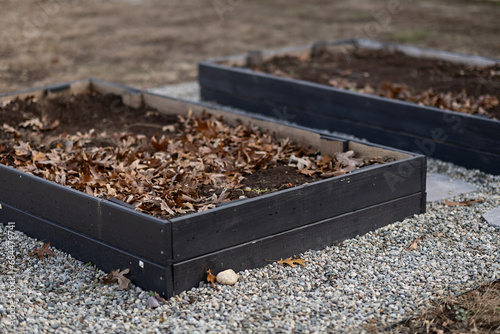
[[52, 126], [38, 157], [461, 102], [35, 123], [414, 244], [463, 203], [347, 159], [162, 175], [307, 172], [160, 298], [291, 262], [42, 250], [448, 322], [7, 128], [117, 276], [211, 278]]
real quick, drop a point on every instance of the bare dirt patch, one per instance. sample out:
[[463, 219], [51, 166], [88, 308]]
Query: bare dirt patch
[[151, 43]]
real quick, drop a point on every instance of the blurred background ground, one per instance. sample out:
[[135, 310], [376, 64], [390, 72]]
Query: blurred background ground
[[152, 43]]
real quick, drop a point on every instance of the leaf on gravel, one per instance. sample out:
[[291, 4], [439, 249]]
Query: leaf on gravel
[[414, 244], [463, 203], [211, 278], [117, 275], [160, 298], [291, 262], [42, 250]]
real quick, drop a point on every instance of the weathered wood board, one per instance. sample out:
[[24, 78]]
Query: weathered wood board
[[169, 256], [472, 141]]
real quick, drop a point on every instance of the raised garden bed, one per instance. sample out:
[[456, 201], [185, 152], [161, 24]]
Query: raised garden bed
[[340, 99], [170, 255]]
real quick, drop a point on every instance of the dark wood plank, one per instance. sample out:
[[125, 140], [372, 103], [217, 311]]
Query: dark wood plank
[[146, 274], [113, 235], [232, 224], [253, 254], [137, 232], [466, 156], [111, 223], [462, 129]]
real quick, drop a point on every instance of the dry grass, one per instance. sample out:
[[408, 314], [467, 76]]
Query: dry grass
[[477, 311]]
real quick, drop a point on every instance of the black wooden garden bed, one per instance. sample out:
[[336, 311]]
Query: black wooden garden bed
[[469, 140], [170, 256]]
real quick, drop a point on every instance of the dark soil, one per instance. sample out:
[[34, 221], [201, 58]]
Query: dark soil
[[376, 68], [83, 112], [269, 180], [79, 113]]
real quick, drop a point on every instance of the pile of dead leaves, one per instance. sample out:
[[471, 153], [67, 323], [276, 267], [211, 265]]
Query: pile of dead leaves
[[457, 102], [335, 69], [189, 166]]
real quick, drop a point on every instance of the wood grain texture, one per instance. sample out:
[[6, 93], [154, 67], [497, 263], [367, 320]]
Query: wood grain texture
[[463, 154], [282, 245], [111, 223], [462, 129], [148, 275], [112, 235], [202, 233]]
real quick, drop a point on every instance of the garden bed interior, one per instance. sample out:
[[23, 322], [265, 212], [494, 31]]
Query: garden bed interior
[[171, 255], [334, 103]]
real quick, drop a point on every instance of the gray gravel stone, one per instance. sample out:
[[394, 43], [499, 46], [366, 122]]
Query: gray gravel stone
[[493, 217], [441, 186], [366, 282], [188, 91]]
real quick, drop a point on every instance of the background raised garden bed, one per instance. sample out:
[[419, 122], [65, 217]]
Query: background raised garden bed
[[170, 256], [468, 140]]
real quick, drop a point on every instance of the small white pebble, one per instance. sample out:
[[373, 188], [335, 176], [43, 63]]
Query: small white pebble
[[227, 277]]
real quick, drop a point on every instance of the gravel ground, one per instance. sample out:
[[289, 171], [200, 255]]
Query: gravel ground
[[188, 91], [361, 284]]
